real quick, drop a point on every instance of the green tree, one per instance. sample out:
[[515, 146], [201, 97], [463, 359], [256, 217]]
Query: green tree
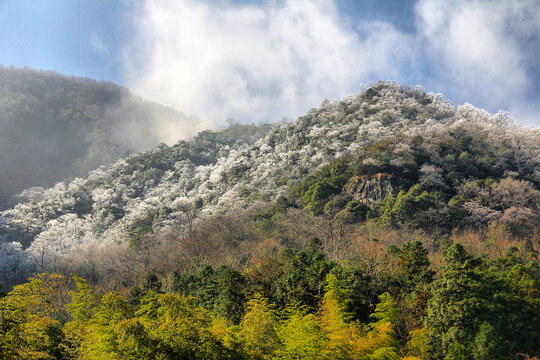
[[318, 195], [364, 288], [305, 277], [418, 344], [412, 208], [386, 311], [102, 338], [300, 335], [84, 303], [259, 328], [170, 326], [414, 272], [221, 290], [459, 304], [515, 328], [412, 280], [341, 334]]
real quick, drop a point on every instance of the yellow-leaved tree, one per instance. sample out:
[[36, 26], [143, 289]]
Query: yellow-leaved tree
[[84, 303], [380, 343], [418, 344], [300, 335], [170, 326], [101, 333], [340, 333], [28, 328], [258, 328]]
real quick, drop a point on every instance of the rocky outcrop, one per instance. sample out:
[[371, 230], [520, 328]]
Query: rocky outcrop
[[370, 189]]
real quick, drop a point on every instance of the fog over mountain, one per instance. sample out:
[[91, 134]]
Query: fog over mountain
[[55, 127]]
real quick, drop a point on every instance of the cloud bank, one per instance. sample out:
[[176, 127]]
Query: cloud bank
[[254, 63], [257, 63], [483, 50]]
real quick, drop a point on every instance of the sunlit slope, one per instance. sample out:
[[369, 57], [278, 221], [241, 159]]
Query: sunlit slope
[[414, 150]]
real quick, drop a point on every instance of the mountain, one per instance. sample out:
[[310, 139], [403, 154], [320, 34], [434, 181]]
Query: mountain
[[387, 225], [389, 154], [56, 128]]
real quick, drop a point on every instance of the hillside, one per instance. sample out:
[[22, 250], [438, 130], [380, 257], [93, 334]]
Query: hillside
[[56, 128], [389, 154], [388, 225]]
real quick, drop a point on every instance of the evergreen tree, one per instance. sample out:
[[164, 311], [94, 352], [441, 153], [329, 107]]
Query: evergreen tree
[[221, 290], [459, 304], [414, 273], [305, 277]]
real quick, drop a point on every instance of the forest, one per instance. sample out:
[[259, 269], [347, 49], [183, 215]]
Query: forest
[[387, 225], [297, 305]]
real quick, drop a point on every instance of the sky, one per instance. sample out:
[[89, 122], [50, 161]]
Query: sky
[[260, 61]]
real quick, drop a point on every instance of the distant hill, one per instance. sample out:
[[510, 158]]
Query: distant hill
[[54, 127]]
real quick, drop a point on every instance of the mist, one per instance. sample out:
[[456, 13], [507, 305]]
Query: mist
[[56, 128], [140, 125]]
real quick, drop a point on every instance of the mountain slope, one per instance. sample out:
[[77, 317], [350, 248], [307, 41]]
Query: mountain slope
[[441, 164], [56, 127]]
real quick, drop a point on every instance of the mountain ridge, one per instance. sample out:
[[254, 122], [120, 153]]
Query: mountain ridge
[[388, 128]]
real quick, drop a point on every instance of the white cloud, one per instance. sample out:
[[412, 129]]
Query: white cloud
[[478, 46], [255, 63]]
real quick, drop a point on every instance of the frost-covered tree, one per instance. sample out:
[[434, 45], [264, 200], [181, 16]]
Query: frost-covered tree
[[387, 128]]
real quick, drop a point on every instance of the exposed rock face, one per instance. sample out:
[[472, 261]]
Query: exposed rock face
[[370, 189]]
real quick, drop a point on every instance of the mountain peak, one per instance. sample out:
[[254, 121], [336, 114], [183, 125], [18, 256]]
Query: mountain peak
[[407, 134]]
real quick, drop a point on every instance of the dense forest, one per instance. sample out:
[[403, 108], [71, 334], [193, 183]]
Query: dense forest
[[387, 225], [298, 305], [56, 127]]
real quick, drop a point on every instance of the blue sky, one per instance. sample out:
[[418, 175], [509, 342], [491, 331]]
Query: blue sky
[[262, 60], [57, 35]]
